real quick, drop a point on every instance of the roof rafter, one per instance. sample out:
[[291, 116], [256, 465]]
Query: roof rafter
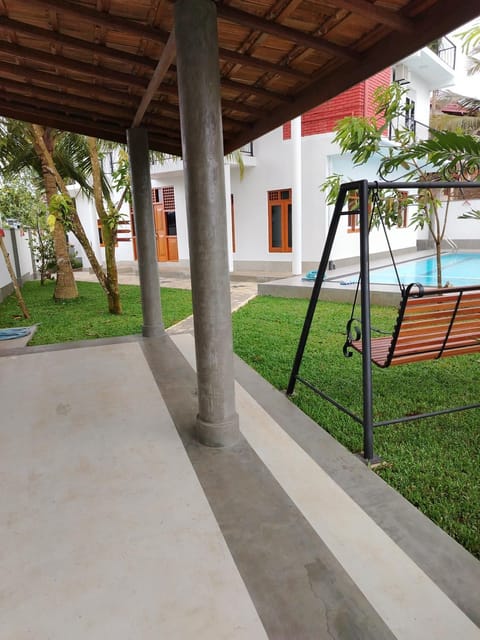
[[70, 64], [274, 28], [373, 12], [106, 20], [168, 55], [81, 45], [429, 25]]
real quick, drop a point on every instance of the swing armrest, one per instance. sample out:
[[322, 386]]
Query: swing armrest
[[354, 334]]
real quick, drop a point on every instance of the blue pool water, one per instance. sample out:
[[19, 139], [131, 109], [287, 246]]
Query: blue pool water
[[458, 269]]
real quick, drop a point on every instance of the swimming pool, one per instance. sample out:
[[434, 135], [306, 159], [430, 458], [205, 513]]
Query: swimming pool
[[458, 269]]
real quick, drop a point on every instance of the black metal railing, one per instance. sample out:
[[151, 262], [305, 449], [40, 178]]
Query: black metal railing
[[445, 50], [247, 149]]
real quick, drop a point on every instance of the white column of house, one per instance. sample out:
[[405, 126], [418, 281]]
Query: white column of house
[[297, 196], [228, 199]]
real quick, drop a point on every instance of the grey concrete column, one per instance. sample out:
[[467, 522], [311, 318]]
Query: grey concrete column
[[145, 232], [202, 144]]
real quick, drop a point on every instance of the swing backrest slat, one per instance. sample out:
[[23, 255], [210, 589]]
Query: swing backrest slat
[[431, 324]]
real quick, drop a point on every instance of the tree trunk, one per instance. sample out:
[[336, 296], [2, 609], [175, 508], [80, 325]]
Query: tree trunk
[[65, 286], [438, 253], [109, 229], [114, 304], [18, 293], [77, 227], [437, 233], [81, 236]]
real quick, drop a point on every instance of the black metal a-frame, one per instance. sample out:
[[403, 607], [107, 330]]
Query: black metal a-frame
[[363, 188]]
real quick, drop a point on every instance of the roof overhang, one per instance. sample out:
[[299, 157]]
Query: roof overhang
[[99, 67]]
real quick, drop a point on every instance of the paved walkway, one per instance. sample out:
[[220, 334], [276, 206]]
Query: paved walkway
[[241, 292]]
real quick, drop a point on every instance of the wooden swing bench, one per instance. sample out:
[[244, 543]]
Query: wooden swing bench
[[431, 324]]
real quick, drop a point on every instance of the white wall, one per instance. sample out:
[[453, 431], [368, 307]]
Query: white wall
[[347, 244], [88, 215], [24, 256], [418, 92], [273, 171], [465, 233], [463, 229]]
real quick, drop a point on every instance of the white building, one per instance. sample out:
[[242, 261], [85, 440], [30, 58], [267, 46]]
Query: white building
[[278, 192]]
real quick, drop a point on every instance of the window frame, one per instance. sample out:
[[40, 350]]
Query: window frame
[[285, 222]]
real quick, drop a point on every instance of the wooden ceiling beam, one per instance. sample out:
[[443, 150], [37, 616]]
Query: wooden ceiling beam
[[68, 111], [76, 87], [257, 63], [68, 64], [379, 14], [67, 100], [102, 74], [36, 116], [74, 120], [102, 51], [27, 113], [113, 103], [248, 89], [243, 107], [257, 23], [429, 25], [105, 20], [166, 59]]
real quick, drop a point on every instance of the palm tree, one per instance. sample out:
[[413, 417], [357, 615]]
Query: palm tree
[[21, 151], [57, 158], [67, 212], [471, 47]]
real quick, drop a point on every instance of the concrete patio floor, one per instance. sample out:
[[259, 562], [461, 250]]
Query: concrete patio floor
[[115, 523]]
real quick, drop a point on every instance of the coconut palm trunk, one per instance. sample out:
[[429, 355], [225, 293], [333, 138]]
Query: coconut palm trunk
[[65, 287], [16, 287]]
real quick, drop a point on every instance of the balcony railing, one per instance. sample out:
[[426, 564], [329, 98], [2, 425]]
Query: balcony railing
[[445, 50], [247, 149]]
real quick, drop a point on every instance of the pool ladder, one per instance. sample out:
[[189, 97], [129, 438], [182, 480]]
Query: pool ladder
[[451, 244]]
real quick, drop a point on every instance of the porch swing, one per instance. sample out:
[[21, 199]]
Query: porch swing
[[430, 324]]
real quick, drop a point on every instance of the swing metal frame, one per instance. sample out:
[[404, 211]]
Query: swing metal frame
[[363, 188]]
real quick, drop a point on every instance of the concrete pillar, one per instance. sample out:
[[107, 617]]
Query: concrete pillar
[[202, 145], [145, 232], [297, 205]]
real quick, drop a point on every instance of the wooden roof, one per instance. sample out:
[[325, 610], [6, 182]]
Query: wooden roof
[[87, 65]]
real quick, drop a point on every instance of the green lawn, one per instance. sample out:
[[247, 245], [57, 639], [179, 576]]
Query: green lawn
[[434, 463], [87, 317]]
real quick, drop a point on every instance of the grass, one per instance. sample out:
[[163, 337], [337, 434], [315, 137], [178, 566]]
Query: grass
[[87, 317], [434, 463]]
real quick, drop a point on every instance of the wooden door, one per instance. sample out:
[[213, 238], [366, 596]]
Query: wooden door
[[160, 232]]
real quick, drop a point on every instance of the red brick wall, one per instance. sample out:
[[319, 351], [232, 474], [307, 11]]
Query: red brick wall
[[357, 101]]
